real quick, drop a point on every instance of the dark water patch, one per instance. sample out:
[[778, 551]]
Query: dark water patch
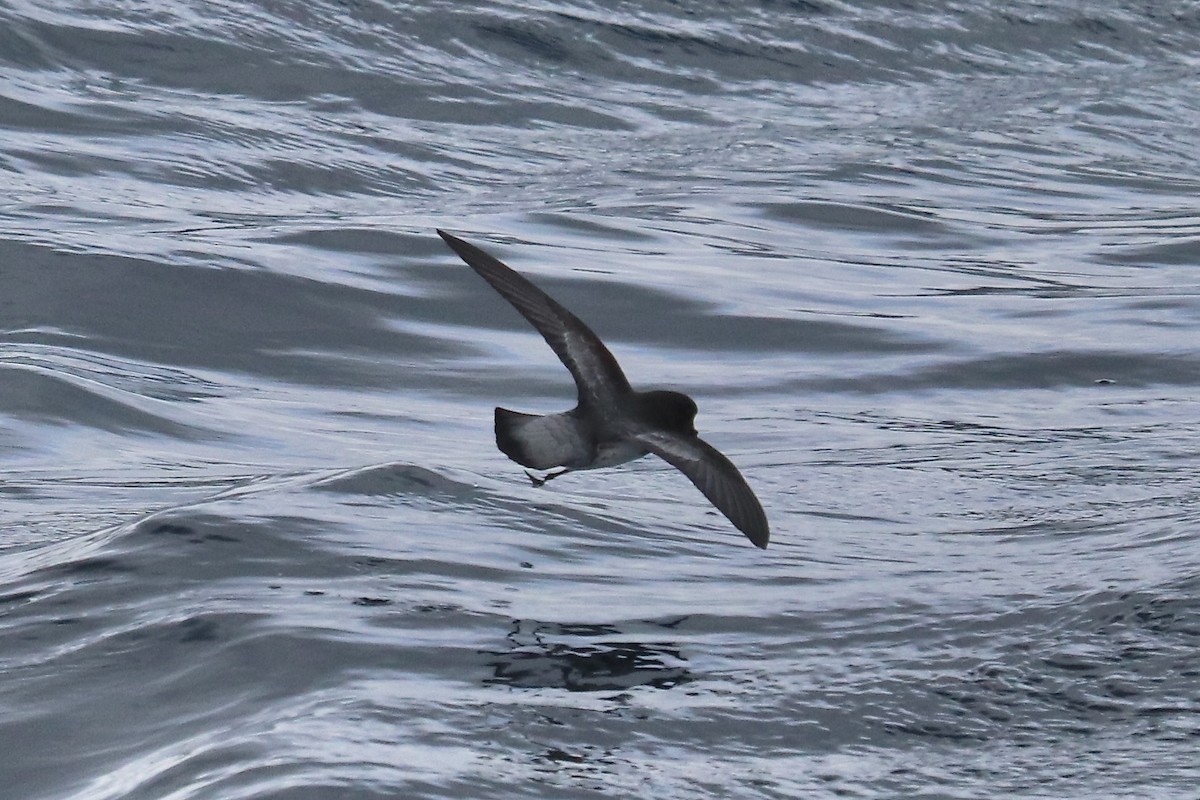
[[96, 566], [11, 489], [18, 597], [1031, 371], [874, 220], [395, 480], [200, 531], [1182, 251], [933, 730], [25, 115], [593, 233], [147, 51], [586, 658], [197, 630], [50, 396], [171, 529], [531, 39], [392, 244], [53, 352], [218, 318]]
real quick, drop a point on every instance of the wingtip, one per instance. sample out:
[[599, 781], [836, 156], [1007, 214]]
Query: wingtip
[[465, 250], [759, 538]]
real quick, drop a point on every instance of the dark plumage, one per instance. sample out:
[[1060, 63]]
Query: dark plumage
[[611, 423]]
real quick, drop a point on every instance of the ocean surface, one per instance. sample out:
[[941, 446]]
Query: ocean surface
[[930, 270]]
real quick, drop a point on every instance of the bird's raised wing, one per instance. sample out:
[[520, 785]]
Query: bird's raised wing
[[597, 375], [713, 474]]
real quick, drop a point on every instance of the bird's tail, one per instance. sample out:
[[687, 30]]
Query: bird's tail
[[535, 441], [509, 438]]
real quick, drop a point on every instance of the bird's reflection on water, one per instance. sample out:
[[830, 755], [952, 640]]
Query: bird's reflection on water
[[586, 658]]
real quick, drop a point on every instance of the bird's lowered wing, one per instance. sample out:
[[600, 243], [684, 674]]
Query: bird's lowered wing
[[715, 475]]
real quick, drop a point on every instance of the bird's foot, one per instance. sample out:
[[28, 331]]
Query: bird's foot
[[542, 480]]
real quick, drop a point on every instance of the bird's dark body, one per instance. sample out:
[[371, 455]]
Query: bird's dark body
[[589, 438], [612, 423]]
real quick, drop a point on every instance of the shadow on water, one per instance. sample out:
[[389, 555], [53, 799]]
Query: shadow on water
[[589, 662]]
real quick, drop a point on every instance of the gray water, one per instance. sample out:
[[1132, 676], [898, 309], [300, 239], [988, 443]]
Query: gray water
[[930, 271]]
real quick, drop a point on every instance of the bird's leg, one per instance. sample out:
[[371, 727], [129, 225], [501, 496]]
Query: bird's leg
[[547, 477]]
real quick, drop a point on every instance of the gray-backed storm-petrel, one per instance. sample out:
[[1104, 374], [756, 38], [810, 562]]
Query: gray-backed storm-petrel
[[612, 423]]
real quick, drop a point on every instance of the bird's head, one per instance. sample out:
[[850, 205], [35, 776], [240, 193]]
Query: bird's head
[[673, 411]]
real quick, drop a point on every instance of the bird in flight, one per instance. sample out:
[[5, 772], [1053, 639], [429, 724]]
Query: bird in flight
[[612, 423]]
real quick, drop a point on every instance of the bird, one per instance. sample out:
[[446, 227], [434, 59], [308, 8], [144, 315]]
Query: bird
[[612, 423]]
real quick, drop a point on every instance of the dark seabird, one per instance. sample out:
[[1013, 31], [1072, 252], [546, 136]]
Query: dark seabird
[[612, 423]]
